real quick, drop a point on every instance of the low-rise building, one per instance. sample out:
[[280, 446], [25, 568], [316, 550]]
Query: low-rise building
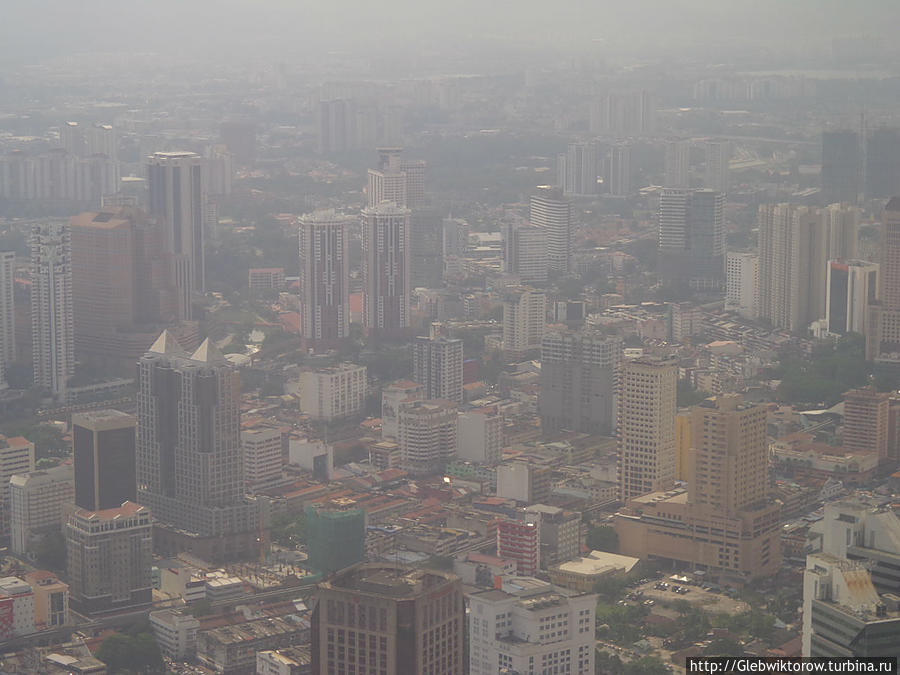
[[231, 650], [51, 599], [290, 661], [16, 608], [36, 501], [581, 574], [175, 632], [333, 392]]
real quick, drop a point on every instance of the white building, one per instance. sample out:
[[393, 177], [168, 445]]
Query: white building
[[21, 596], [262, 456], [742, 283], [524, 318], [427, 435], [530, 626], [175, 632], [7, 313], [850, 288], [391, 398], [677, 164], [438, 364], [36, 501], [553, 213], [52, 329], [333, 392], [479, 435], [525, 252]]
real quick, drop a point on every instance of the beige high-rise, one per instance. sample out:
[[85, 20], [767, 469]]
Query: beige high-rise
[[647, 426]]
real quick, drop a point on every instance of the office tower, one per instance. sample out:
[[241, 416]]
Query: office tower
[[336, 535], [623, 113], [108, 559], [52, 338], [883, 164], [386, 269], [103, 449], [525, 252], [333, 392], [728, 484], [578, 170], [692, 237], [324, 278], [36, 501], [397, 180], [618, 170], [677, 164], [560, 533], [718, 174], [404, 619], [527, 626], [842, 225], [479, 435], [519, 539], [579, 382], [742, 283], [524, 318], [843, 614], [392, 397], [438, 365], [262, 450], [523, 481], [427, 435], [793, 258], [883, 336], [178, 200], [7, 313], [866, 419], [852, 287], [189, 464], [220, 171], [646, 415], [337, 121], [425, 245], [842, 164], [554, 214]]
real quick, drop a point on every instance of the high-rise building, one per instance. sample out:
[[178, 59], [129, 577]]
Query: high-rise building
[[455, 237], [578, 170], [386, 269], [36, 505], [646, 415], [479, 435], [728, 493], [519, 539], [623, 113], [692, 237], [618, 170], [52, 331], [742, 283], [523, 481], [866, 420], [324, 278], [392, 396], [178, 200], [109, 554], [842, 230], [333, 392], [189, 464], [883, 163], [337, 126], [397, 180], [402, 619], [7, 312], [841, 166], [51, 599], [579, 376], [560, 533], [438, 365], [525, 252], [883, 336], [427, 435], [336, 535], [425, 246], [718, 173], [677, 164], [262, 450], [524, 318], [528, 625], [16, 457], [103, 448], [852, 287], [553, 213]]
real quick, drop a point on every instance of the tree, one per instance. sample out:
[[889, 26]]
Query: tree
[[51, 551], [603, 538], [646, 665], [724, 647], [131, 654], [288, 529]]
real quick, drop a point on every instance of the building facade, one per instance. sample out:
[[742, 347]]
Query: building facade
[[524, 318], [333, 392], [427, 435], [386, 269], [36, 505], [103, 450], [550, 211], [438, 366]]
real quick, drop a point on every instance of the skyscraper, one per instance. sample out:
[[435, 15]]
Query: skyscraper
[[403, 619], [742, 283], [718, 173], [646, 414], [677, 164], [386, 269], [52, 331], [692, 237], [553, 213], [852, 287], [866, 421], [336, 535], [618, 170], [624, 113], [525, 252], [189, 465], [579, 381], [427, 435], [397, 180], [883, 163], [7, 312], [841, 166], [103, 449], [438, 365], [883, 336], [578, 169], [524, 318], [178, 200], [324, 278]]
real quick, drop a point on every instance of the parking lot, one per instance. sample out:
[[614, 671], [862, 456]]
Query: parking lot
[[661, 590]]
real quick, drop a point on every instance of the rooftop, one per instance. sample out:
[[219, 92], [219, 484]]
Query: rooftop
[[388, 580]]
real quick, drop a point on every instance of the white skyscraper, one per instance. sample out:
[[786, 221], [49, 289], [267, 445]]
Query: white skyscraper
[[578, 169], [52, 330], [524, 318], [742, 284], [553, 213], [678, 164], [7, 313], [178, 199], [851, 287]]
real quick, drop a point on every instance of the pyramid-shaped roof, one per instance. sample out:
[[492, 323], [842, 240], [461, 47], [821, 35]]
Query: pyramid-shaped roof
[[207, 352], [167, 344]]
